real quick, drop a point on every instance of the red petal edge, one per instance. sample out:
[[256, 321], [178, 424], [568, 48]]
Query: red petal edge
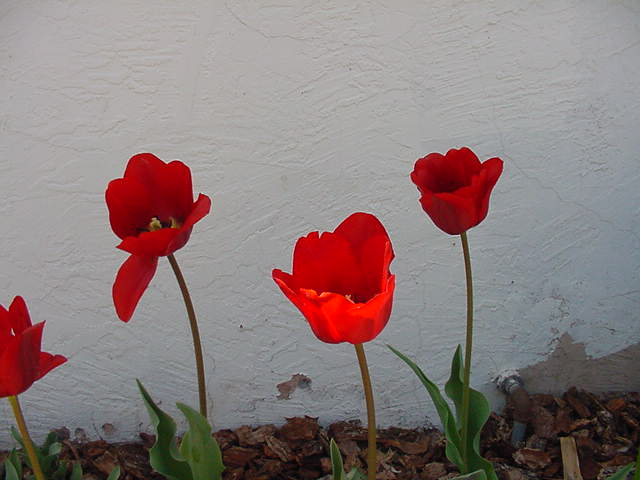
[[131, 281]]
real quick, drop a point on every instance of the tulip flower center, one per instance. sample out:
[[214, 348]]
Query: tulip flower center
[[157, 224]]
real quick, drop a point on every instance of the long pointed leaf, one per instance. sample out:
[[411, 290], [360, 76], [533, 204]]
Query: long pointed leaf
[[164, 456], [479, 412], [199, 448], [76, 472], [16, 435], [622, 473], [115, 473], [16, 461], [355, 474], [446, 417], [10, 472], [336, 460]]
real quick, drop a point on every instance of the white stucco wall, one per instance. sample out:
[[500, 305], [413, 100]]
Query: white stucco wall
[[292, 115]]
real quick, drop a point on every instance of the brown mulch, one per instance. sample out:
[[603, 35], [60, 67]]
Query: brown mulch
[[605, 428]]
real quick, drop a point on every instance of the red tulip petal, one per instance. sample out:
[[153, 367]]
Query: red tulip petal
[[371, 246], [5, 328], [335, 319], [11, 377], [153, 244], [326, 263], [369, 319], [131, 281], [19, 361], [169, 184], [19, 315], [130, 208], [438, 173], [359, 227], [201, 208], [451, 213], [491, 171], [48, 362], [375, 258], [322, 329]]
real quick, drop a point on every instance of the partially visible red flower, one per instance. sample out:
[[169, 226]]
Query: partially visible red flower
[[21, 360], [152, 210], [341, 281], [455, 188]]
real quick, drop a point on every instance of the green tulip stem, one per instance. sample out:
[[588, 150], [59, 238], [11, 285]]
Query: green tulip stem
[[467, 353], [372, 463], [636, 475], [195, 333], [26, 439]]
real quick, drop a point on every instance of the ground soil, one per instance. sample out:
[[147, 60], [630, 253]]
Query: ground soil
[[605, 428]]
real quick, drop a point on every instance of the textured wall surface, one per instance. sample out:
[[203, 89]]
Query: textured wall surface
[[292, 115]]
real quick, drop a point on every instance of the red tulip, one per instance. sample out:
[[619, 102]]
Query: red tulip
[[455, 188], [152, 210], [341, 281], [21, 361]]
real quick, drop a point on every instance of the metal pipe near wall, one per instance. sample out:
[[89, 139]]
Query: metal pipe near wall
[[512, 385]]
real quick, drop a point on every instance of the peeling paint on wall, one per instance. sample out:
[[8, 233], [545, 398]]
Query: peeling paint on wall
[[569, 365], [287, 388]]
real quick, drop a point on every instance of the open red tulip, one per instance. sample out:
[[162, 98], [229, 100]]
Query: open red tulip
[[456, 188], [341, 281], [152, 210], [21, 360]]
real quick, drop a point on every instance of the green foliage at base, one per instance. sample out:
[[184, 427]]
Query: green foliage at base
[[53, 468], [623, 473], [476, 468], [48, 456], [198, 457], [338, 468]]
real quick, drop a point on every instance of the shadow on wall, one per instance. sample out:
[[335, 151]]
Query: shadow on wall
[[569, 366]]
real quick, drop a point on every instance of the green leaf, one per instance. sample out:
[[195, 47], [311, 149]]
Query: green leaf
[[76, 472], [16, 461], [479, 412], [164, 456], [336, 461], [355, 474], [16, 435], [447, 419], [199, 448], [115, 473], [48, 455], [52, 438], [622, 473], [338, 467], [10, 472], [54, 449]]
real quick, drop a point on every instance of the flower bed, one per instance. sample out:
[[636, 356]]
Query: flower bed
[[605, 428]]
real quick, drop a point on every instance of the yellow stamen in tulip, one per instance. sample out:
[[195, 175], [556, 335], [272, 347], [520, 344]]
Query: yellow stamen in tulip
[[156, 224]]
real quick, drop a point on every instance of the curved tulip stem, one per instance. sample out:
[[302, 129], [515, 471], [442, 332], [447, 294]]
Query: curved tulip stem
[[372, 463], [195, 333], [26, 439], [467, 352]]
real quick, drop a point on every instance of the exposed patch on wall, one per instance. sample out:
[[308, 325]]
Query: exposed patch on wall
[[287, 388], [569, 365]]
